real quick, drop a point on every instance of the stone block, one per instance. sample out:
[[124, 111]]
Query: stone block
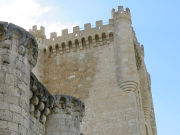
[[6, 115]]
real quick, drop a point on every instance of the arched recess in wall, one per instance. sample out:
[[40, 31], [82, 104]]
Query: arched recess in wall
[[77, 44], [57, 48], [70, 45], [97, 39], [44, 51], [1, 33], [111, 36], [74, 103], [83, 43], [104, 38], [50, 51], [90, 41], [63, 47], [62, 102]]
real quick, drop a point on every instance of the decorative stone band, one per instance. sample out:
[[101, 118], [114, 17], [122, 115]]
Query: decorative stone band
[[69, 105], [27, 44], [42, 101], [147, 112], [129, 86]]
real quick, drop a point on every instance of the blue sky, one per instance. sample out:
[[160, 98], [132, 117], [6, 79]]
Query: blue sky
[[157, 26]]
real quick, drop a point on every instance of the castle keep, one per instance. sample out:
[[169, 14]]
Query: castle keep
[[88, 82]]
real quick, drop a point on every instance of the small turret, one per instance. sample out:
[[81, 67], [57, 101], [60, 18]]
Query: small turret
[[121, 13]]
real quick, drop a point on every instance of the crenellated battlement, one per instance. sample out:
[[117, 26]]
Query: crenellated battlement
[[38, 33], [77, 32], [121, 13], [80, 39]]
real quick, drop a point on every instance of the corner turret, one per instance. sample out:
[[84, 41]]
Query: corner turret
[[121, 13]]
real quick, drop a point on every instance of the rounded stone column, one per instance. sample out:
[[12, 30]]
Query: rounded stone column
[[126, 69], [66, 117], [124, 50], [18, 55]]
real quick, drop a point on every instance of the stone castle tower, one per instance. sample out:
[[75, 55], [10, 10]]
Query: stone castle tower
[[101, 66]]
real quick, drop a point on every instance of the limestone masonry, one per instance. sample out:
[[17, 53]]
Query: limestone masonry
[[88, 82]]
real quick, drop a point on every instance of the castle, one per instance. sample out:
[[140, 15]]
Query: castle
[[88, 82]]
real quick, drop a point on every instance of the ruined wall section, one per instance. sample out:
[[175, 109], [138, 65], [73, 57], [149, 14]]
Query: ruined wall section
[[25, 104], [66, 116], [18, 55], [41, 104]]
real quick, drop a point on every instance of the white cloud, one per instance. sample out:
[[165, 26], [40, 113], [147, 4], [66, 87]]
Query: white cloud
[[27, 13]]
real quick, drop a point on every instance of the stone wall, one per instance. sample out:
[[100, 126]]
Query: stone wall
[[18, 54], [66, 117], [104, 67], [25, 104]]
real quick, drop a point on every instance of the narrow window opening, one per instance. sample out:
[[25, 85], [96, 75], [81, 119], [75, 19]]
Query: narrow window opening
[[111, 36], [83, 43], [70, 45], [104, 38], [63, 47], [90, 41], [97, 39], [77, 43], [57, 48]]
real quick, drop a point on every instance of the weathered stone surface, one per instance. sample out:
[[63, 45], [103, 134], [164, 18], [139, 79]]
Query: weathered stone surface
[[17, 58], [102, 66], [66, 116]]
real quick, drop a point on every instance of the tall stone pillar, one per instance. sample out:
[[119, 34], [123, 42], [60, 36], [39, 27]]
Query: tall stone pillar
[[18, 55], [66, 117], [126, 69]]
